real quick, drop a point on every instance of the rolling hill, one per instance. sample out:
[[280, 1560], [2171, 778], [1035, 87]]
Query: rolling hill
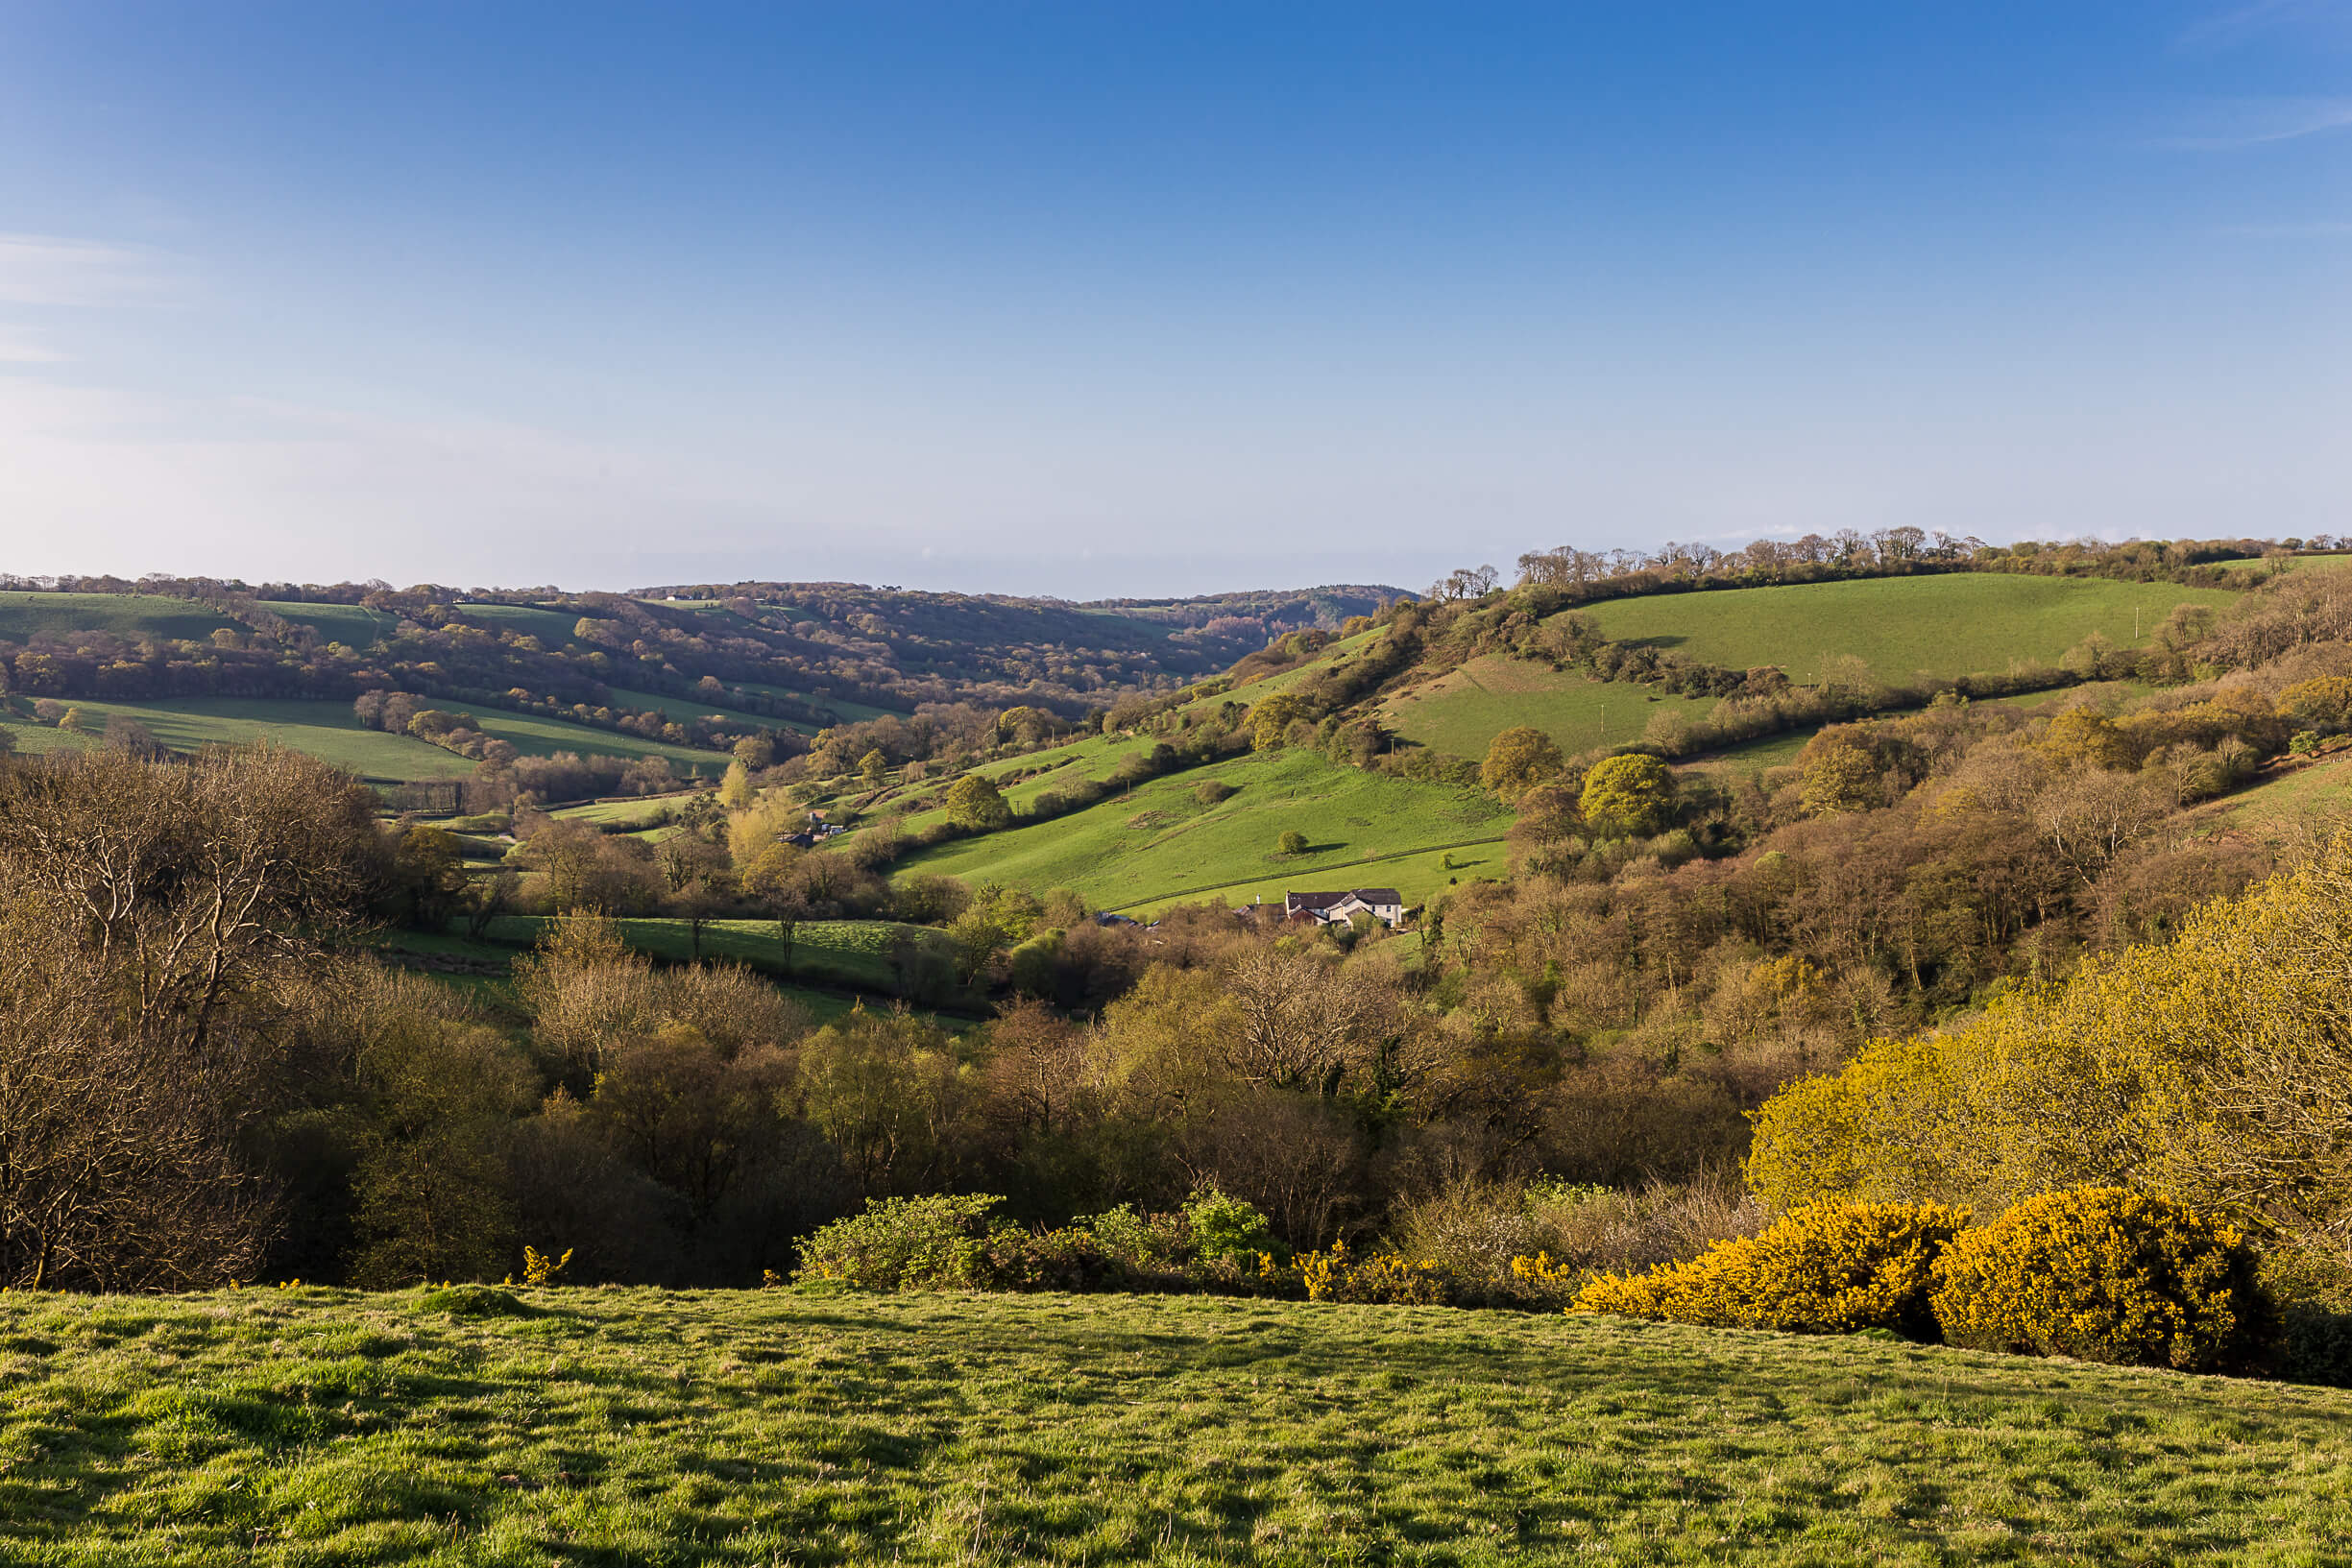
[[330, 732], [1903, 628], [1161, 843]]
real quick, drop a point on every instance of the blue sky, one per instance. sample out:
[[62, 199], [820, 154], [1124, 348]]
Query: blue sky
[[1131, 299]]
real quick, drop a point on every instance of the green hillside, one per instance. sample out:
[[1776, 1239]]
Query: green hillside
[[800, 1425], [552, 627], [1161, 842], [1905, 629], [851, 712], [330, 732], [685, 710], [23, 615], [1957, 623], [2302, 799], [353, 625], [325, 730], [1463, 709]]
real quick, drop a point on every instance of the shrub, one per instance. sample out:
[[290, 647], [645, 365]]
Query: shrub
[[2105, 1274], [906, 1243], [1293, 842], [1380, 1279], [1226, 1227], [1146, 1243], [1830, 1269], [1212, 791]]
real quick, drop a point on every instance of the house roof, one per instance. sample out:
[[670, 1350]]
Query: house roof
[[1324, 900]]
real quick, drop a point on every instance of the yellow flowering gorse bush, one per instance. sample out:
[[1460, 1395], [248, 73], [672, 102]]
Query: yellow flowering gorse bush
[[2105, 1274], [1828, 1269]]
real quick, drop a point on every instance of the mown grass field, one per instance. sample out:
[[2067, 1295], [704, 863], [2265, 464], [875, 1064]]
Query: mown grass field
[[126, 615], [1903, 628], [1160, 843], [623, 815], [328, 731], [331, 732], [1463, 709], [616, 1426]]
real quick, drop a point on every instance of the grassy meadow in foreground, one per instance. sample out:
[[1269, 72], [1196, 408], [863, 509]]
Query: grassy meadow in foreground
[[612, 1427]]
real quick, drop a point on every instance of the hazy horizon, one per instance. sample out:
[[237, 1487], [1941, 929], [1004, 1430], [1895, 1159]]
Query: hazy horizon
[[1156, 300]]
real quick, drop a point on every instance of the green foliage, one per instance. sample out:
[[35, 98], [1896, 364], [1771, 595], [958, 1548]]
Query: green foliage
[[1831, 1269], [2322, 705], [2105, 1274], [1271, 718], [1226, 1227], [906, 1243], [1292, 842], [1628, 795], [975, 804], [1839, 774], [1519, 759]]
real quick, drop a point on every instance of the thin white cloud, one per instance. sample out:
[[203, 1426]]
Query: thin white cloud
[[2225, 29], [2255, 122], [47, 270]]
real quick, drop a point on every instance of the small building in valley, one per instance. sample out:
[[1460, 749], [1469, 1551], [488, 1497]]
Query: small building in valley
[[1382, 904]]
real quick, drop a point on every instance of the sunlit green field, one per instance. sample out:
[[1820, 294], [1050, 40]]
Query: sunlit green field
[[638, 1426], [1161, 843], [331, 732], [125, 614], [1903, 628], [2301, 800], [328, 731], [1463, 709]]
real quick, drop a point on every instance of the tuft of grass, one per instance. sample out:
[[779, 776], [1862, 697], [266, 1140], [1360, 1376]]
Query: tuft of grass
[[476, 1301], [321, 1426]]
